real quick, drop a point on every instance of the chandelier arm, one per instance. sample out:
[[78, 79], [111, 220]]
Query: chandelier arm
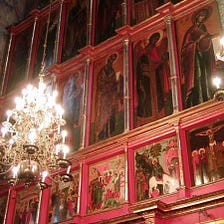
[[6, 164], [52, 179], [5, 172]]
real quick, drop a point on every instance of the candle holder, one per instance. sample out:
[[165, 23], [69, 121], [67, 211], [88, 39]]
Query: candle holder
[[219, 95], [12, 181], [63, 163], [42, 185], [30, 149], [66, 177]]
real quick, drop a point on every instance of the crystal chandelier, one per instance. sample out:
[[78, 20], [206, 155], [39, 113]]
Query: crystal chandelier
[[32, 141]]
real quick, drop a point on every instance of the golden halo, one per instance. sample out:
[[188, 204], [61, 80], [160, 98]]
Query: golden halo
[[112, 54], [154, 161], [207, 11], [160, 35], [201, 150], [77, 74], [194, 152]]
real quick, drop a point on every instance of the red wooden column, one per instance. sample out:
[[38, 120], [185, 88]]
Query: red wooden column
[[10, 207], [176, 126], [127, 176], [43, 206], [84, 189], [131, 176], [184, 161], [187, 161], [77, 218]]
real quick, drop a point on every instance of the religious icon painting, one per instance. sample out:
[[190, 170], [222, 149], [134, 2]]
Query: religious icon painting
[[157, 169], [75, 35], [27, 202], [50, 46], [72, 93], [106, 184], [108, 19], [20, 58], [143, 9], [107, 112], [199, 61], [3, 204], [206, 150], [152, 90], [64, 199], [31, 5]]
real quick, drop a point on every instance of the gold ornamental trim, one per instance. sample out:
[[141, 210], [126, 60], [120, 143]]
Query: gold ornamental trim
[[181, 207]]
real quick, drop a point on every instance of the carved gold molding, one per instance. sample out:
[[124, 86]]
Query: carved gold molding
[[180, 207]]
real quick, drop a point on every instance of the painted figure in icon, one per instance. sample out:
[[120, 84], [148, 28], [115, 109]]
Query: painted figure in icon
[[109, 17], [210, 157], [106, 185], [153, 175], [72, 101], [197, 60], [3, 202], [152, 71], [50, 47], [64, 201], [96, 189], [76, 32], [72, 95], [109, 94], [143, 9], [26, 211], [171, 159], [200, 166]]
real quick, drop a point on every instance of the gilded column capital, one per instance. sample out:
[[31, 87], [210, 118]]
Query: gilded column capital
[[168, 19], [61, 1], [87, 61], [126, 41], [149, 217]]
